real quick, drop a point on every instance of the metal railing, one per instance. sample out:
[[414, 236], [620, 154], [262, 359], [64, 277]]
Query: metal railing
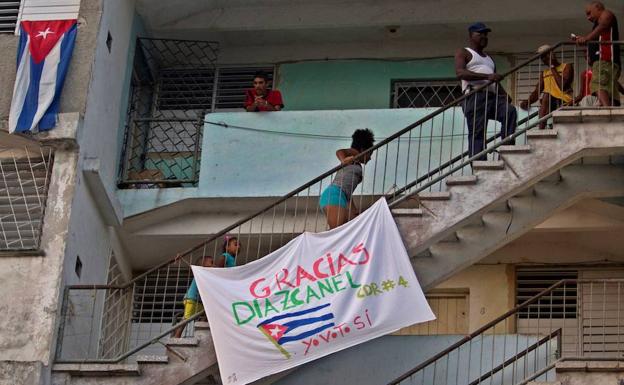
[[525, 343], [24, 182], [171, 90], [415, 160]]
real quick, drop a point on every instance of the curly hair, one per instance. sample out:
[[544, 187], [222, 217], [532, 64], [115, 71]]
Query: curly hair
[[363, 139]]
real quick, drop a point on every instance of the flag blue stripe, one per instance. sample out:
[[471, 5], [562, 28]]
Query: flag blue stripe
[[301, 336], [21, 46], [294, 314], [307, 321], [31, 102], [48, 120]]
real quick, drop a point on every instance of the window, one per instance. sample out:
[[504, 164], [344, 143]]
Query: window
[[420, 94], [560, 303], [9, 10], [194, 89]]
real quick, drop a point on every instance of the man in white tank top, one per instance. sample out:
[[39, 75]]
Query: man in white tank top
[[475, 68]]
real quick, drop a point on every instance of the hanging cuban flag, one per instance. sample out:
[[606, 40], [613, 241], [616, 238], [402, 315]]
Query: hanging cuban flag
[[43, 56]]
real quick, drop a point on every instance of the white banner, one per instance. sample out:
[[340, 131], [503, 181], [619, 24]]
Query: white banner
[[320, 293]]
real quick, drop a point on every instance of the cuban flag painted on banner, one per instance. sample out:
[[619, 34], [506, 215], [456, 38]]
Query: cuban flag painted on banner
[[43, 56]]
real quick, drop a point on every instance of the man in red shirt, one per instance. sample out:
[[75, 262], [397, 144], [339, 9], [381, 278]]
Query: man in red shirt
[[260, 98]]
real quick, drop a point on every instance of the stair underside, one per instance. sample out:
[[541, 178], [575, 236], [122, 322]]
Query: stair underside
[[536, 184]]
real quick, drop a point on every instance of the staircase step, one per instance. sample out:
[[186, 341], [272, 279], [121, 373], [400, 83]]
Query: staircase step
[[541, 134], [201, 325], [516, 149], [488, 165], [434, 195], [98, 370], [152, 359], [461, 180], [191, 341], [407, 212]]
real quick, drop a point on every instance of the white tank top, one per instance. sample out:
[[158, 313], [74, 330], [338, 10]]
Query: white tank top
[[480, 65]]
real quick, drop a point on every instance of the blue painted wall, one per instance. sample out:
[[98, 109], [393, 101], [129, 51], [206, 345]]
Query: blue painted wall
[[271, 155]]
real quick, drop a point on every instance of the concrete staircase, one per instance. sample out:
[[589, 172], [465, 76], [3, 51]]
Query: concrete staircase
[[23, 190], [504, 199], [188, 361], [476, 215]]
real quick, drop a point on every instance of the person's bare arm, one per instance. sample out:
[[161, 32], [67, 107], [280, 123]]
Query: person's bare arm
[[346, 155], [462, 57], [605, 21]]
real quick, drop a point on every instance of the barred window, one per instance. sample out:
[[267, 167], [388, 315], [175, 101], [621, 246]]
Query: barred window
[[420, 94], [559, 303], [194, 88], [9, 10]]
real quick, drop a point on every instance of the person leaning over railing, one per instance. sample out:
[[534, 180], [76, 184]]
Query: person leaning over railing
[[335, 201], [475, 68], [604, 59], [260, 97], [554, 85]]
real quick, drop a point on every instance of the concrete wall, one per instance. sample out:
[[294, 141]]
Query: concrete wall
[[31, 287], [89, 234], [491, 291], [243, 163], [353, 84], [383, 359]]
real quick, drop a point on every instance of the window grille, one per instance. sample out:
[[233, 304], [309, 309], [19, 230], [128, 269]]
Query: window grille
[[421, 94], [193, 89], [562, 303], [9, 11]]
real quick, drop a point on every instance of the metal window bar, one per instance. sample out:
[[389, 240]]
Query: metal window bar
[[272, 226], [424, 93], [171, 90], [174, 84], [24, 180]]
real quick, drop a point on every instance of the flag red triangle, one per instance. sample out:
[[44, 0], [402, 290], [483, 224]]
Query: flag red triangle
[[275, 331], [44, 35]]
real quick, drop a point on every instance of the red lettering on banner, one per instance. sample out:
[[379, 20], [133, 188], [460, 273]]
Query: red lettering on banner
[[265, 290], [303, 274], [283, 279]]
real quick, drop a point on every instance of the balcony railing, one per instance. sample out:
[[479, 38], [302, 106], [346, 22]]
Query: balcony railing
[[525, 343], [24, 182], [405, 165]]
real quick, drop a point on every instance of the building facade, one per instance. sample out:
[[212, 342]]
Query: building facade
[[154, 158]]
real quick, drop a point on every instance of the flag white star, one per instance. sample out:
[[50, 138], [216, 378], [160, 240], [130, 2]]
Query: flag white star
[[275, 331], [45, 33]]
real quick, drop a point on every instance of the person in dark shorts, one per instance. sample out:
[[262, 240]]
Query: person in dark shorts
[[604, 59]]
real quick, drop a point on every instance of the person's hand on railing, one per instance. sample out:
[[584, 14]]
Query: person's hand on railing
[[494, 77], [524, 105]]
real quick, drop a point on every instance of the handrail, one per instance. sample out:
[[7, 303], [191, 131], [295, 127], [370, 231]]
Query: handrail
[[333, 170], [478, 332], [524, 352], [497, 320]]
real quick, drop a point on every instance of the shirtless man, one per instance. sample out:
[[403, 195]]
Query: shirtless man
[[604, 58]]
